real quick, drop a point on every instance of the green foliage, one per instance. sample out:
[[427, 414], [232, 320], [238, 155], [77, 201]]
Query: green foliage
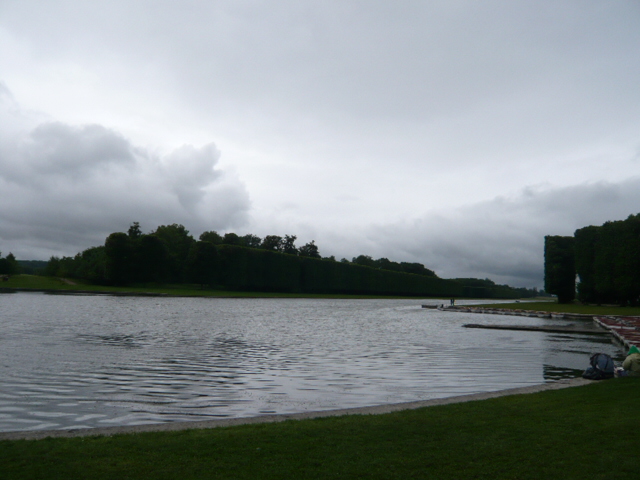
[[272, 242], [152, 259], [479, 288], [386, 264], [310, 250], [212, 237], [202, 263], [178, 243], [585, 253], [134, 231], [32, 267], [559, 267], [263, 270], [170, 254], [231, 239], [9, 265], [91, 265], [51, 270], [607, 262], [251, 241], [119, 252], [288, 245]]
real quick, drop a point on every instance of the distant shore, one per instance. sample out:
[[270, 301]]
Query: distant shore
[[53, 285]]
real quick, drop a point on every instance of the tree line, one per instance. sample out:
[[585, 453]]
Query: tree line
[[274, 263], [599, 264]]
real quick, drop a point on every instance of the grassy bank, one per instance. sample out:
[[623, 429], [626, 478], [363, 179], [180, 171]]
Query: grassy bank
[[576, 433], [38, 283], [569, 308]]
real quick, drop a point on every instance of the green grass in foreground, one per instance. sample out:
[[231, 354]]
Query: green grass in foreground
[[577, 433], [569, 308]]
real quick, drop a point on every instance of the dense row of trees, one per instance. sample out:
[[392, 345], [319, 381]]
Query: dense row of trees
[[479, 288], [386, 264], [171, 255], [605, 259]]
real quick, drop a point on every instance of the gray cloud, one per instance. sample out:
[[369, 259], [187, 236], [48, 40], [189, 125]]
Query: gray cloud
[[64, 188], [503, 239], [411, 130]]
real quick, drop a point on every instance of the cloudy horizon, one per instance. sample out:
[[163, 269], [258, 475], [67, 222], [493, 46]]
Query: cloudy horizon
[[453, 134]]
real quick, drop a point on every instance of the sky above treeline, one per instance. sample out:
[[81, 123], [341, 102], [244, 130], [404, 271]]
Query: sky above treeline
[[456, 134]]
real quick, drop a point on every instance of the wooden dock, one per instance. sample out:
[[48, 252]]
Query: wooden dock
[[511, 312], [544, 328], [625, 329]]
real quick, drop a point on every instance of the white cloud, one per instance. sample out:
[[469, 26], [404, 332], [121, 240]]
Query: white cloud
[[502, 239], [65, 188]]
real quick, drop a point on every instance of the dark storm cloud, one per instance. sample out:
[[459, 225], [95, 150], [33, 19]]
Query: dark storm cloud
[[64, 188]]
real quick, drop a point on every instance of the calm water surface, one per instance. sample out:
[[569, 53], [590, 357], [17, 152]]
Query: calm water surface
[[89, 361]]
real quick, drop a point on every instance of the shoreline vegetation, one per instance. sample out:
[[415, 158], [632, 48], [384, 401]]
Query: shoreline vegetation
[[24, 282], [35, 283]]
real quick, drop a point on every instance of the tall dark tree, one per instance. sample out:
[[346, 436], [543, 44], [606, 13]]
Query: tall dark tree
[[231, 239], [211, 237], [134, 230], [288, 245], [272, 242], [9, 265], [310, 250], [153, 259], [417, 269], [364, 260], [51, 270], [559, 267], [177, 242], [586, 241], [119, 252], [91, 265], [251, 241], [202, 263]]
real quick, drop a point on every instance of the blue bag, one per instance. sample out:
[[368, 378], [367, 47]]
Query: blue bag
[[602, 367]]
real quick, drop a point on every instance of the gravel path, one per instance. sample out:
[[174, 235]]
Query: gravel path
[[165, 427]]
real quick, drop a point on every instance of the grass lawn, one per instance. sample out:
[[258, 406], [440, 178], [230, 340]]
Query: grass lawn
[[580, 433], [569, 308], [36, 282]]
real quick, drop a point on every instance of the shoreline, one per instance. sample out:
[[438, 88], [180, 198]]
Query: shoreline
[[228, 422]]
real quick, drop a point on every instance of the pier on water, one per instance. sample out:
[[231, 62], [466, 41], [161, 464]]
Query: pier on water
[[625, 329]]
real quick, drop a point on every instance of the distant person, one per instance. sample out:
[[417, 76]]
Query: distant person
[[631, 364]]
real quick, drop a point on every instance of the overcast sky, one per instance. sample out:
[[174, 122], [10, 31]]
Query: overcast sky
[[451, 133]]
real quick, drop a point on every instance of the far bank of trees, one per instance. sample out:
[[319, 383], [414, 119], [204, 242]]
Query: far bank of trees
[[601, 264], [250, 263]]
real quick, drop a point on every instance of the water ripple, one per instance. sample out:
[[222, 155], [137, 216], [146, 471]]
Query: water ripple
[[81, 362]]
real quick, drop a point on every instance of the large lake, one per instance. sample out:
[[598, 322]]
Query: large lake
[[89, 361]]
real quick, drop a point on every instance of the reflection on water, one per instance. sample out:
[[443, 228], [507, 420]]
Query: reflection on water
[[88, 361]]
